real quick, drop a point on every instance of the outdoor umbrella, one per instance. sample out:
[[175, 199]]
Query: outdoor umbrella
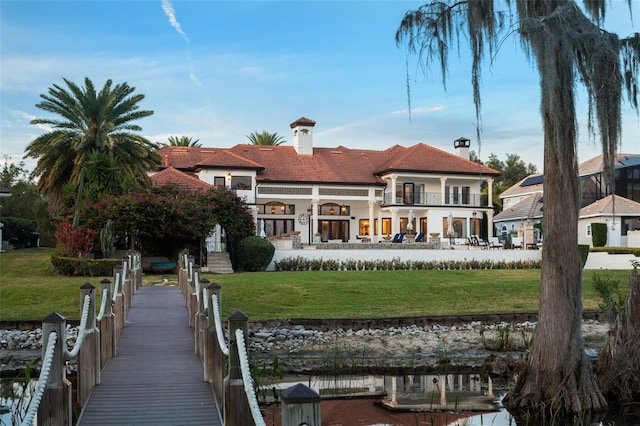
[[410, 221], [262, 233], [450, 230]]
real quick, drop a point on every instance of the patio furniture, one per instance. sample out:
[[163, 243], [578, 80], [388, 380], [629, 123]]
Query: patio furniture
[[494, 243], [419, 237], [517, 242]]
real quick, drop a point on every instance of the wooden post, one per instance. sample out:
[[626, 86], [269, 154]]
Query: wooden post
[[214, 364], [119, 308], [89, 353], [201, 319], [55, 406], [127, 283], [236, 406], [107, 327], [300, 406]]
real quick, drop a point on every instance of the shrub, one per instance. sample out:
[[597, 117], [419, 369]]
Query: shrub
[[612, 298], [584, 253], [18, 231], [599, 234], [254, 254], [73, 266], [76, 242]]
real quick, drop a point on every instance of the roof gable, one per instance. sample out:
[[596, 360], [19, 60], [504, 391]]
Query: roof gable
[[610, 205], [173, 177], [425, 158]]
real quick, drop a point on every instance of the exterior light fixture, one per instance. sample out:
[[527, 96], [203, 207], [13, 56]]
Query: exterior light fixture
[[282, 207], [332, 211], [343, 210], [273, 210]]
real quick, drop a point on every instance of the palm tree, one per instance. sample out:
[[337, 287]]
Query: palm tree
[[563, 42], [183, 141], [91, 124], [265, 138]]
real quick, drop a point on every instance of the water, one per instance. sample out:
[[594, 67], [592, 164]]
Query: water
[[14, 400]]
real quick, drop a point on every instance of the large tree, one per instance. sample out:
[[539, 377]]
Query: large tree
[[94, 129], [564, 44]]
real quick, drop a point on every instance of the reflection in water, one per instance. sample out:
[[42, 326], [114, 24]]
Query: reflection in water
[[453, 392]]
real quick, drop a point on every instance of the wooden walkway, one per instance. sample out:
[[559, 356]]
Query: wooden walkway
[[155, 378]]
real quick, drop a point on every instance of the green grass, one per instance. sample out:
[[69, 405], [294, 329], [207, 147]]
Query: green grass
[[29, 291]]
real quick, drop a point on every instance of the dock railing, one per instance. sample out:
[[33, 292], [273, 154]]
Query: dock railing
[[95, 345], [225, 356]]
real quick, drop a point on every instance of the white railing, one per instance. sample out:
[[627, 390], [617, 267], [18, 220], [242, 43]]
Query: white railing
[[94, 345], [47, 361]]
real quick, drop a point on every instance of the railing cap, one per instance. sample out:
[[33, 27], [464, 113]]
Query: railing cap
[[238, 316], [53, 317], [204, 281], [300, 394], [213, 286], [105, 281], [87, 286]]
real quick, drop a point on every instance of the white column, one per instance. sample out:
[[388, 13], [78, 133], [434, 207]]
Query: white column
[[395, 222], [491, 228], [372, 204], [314, 215], [490, 192], [394, 178], [443, 183]]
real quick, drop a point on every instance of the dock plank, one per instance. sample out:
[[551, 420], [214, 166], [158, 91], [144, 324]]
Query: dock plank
[[155, 378]]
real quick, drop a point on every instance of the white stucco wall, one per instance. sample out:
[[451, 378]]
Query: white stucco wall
[[594, 261], [424, 255]]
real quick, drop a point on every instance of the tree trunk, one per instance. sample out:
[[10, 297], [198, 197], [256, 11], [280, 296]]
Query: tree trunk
[[557, 377], [618, 368]]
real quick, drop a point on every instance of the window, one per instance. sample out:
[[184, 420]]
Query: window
[[363, 227], [408, 193], [466, 195], [333, 209], [274, 227], [219, 182], [275, 207], [386, 226], [334, 230], [241, 183]]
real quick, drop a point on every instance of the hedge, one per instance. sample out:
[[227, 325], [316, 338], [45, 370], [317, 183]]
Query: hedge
[[74, 266]]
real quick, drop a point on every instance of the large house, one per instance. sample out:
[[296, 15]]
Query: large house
[[523, 203], [328, 194]]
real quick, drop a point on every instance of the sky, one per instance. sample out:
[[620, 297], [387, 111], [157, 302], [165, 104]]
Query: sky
[[216, 71]]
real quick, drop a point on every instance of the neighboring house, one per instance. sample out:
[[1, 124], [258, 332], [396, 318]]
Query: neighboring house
[[341, 193], [523, 203]]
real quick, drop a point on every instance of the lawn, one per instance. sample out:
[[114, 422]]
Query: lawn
[[29, 291]]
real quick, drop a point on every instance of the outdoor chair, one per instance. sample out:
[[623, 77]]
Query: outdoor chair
[[397, 238], [419, 237], [517, 242], [494, 243]]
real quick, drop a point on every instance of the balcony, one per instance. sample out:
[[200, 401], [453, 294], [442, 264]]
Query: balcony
[[435, 199]]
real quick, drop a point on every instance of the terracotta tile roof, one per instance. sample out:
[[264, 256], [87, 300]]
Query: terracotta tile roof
[[182, 157], [340, 165], [529, 208], [172, 177], [424, 158], [228, 159], [605, 207]]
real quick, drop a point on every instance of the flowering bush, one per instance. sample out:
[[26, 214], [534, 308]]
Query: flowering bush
[[72, 242]]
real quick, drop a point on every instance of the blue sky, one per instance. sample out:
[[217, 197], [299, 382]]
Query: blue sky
[[219, 70]]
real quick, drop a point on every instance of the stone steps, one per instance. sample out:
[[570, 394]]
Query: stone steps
[[219, 263]]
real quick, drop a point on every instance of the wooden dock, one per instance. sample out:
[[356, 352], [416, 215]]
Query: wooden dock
[[156, 377]]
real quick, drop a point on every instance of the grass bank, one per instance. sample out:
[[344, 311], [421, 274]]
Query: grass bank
[[30, 291]]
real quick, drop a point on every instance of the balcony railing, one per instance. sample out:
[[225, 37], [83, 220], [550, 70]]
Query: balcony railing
[[435, 199]]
